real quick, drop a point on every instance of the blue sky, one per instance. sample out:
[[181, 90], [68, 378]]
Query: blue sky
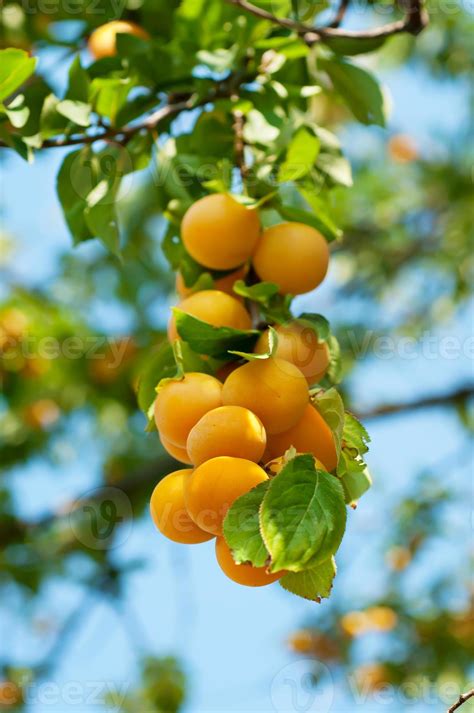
[[232, 639]]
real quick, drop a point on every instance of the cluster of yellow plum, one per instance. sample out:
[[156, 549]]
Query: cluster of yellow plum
[[228, 426]]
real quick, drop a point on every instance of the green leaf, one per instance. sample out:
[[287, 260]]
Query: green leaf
[[160, 366], [359, 89], [355, 484], [331, 407], [109, 95], [355, 434], [17, 112], [76, 111], [15, 67], [262, 292], [351, 468], [242, 528], [203, 338], [73, 185], [300, 157], [79, 82], [288, 212], [313, 584], [258, 130], [272, 347], [337, 168], [101, 219], [352, 45], [317, 322], [303, 516], [326, 225]]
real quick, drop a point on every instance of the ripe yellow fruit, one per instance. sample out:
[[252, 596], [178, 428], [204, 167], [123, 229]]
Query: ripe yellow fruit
[[103, 40], [298, 343], [310, 434], [213, 487], [169, 511], [227, 431], [182, 402], [177, 452], [213, 307], [219, 232], [244, 574], [273, 389], [224, 284], [293, 255]]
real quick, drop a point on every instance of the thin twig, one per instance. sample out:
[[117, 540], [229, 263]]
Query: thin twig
[[125, 133], [416, 18], [340, 14], [239, 143], [458, 396], [461, 700]]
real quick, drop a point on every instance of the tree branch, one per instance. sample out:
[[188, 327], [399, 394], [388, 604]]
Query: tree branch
[[239, 143], [340, 14], [415, 20], [458, 396], [123, 134], [462, 699]]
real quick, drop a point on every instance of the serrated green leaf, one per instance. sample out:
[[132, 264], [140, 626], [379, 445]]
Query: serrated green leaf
[[300, 157], [331, 407], [313, 584], [242, 528], [355, 434], [359, 89], [15, 67], [355, 484], [203, 338], [303, 516]]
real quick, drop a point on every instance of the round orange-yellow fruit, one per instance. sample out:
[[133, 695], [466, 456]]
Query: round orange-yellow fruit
[[311, 434], [177, 452], [180, 404], [215, 484], [169, 512], [214, 307], [273, 389], [224, 284], [298, 343], [219, 232], [244, 574], [103, 40], [227, 431], [294, 256]]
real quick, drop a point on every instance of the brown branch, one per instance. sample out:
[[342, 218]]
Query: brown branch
[[458, 396], [416, 18], [239, 143], [125, 133], [340, 14], [461, 700]]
